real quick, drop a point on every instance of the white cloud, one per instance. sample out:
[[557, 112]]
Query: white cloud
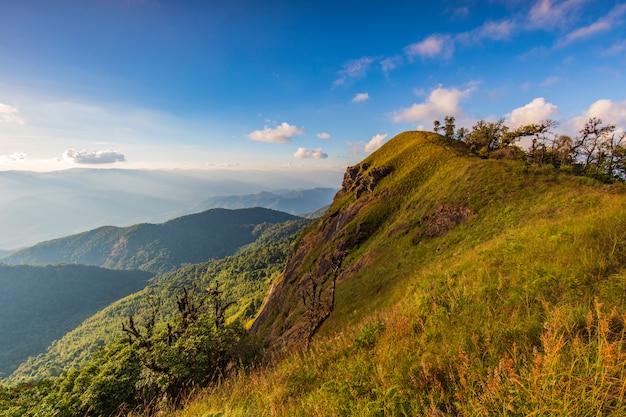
[[390, 63], [431, 47], [354, 69], [323, 135], [106, 156], [440, 103], [360, 97], [533, 112], [8, 114], [14, 157], [615, 49], [609, 111], [304, 153], [491, 30], [608, 22], [550, 81], [550, 13], [376, 142], [281, 134]]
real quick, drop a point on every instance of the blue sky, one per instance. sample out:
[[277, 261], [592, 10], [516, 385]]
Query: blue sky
[[290, 85]]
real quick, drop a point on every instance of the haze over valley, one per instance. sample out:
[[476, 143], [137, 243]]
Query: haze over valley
[[40, 206]]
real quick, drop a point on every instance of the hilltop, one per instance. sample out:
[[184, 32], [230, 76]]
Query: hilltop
[[440, 283]]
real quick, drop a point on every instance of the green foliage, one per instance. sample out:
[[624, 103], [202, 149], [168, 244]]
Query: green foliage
[[192, 352], [245, 276], [39, 304]]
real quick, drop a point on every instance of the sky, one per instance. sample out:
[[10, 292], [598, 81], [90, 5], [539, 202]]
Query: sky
[[281, 84]]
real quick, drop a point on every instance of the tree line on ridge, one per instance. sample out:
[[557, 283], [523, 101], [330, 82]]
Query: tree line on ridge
[[598, 151]]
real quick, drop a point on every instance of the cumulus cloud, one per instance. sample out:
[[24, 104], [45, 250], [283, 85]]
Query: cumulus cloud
[[354, 70], [323, 135], [8, 114], [304, 153], [376, 142], [360, 97], [533, 112], [431, 47], [280, 134], [440, 103], [608, 111], [14, 157], [106, 156]]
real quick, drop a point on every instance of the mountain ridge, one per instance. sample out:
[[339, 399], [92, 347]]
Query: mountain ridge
[[155, 247]]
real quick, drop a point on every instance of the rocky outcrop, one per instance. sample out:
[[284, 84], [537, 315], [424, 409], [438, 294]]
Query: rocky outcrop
[[297, 305], [359, 179], [444, 219]]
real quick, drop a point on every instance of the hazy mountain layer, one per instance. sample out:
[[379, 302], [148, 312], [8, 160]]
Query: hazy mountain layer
[[41, 206], [292, 202]]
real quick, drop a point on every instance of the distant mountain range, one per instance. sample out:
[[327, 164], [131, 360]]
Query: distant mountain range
[[156, 247], [297, 202], [41, 206]]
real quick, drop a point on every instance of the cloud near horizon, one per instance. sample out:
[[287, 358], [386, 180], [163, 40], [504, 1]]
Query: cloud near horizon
[[323, 135], [280, 134], [106, 156], [304, 153], [14, 157], [9, 114]]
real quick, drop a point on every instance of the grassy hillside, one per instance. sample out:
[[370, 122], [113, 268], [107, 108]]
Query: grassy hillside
[[155, 247], [40, 304], [245, 278], [439, 283]]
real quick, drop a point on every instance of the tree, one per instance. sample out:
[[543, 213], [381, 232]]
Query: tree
[[449, 126], [600, 149], [486, 137], [195, 350], [543, 141], [436, 126]]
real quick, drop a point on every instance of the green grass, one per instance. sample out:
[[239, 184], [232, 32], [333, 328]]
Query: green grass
[[518, 311]]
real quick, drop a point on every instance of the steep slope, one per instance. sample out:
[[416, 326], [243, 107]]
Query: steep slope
[[41, 304], [439, 283], [245, 278], [155, 247]]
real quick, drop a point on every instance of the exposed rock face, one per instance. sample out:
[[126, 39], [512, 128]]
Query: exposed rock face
[[305, 296], [358, 179], [444, 219]]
